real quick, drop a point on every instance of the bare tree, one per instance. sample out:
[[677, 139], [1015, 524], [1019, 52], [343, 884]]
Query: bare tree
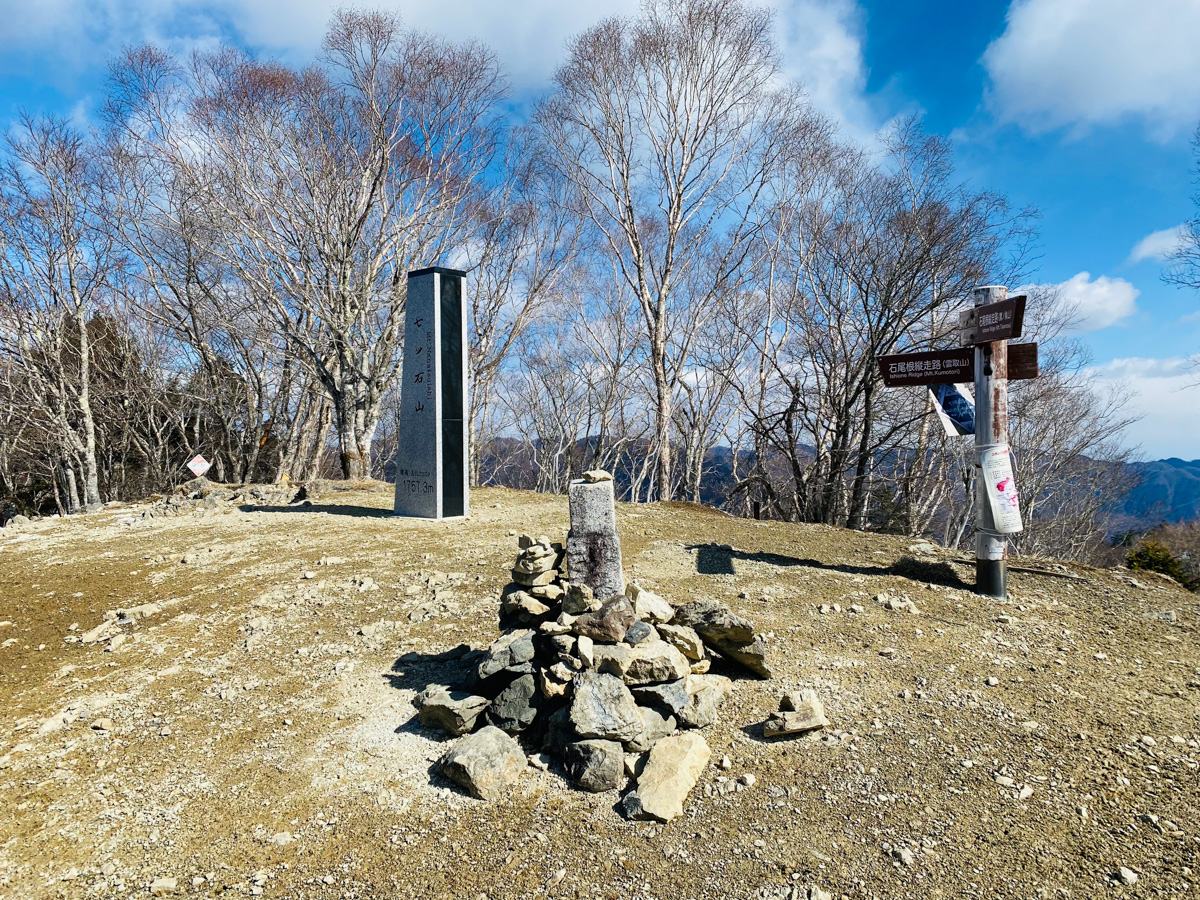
[[867, 261], [527, 242], [669, 127], [57, 267], [329, 184]]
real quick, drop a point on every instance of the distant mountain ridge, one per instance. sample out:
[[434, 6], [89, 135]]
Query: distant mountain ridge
[[1169, 492]]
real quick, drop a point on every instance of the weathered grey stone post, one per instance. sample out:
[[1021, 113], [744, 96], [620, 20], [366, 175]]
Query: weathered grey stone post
[[431, 456], [593, 548]]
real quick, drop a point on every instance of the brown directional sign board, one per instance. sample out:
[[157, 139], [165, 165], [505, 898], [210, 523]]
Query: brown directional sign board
[[952, 366], [935, 367], [1000, 321], [1022, 361]]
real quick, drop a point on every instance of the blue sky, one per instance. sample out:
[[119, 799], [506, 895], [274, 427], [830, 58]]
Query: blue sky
[[1083, 108]]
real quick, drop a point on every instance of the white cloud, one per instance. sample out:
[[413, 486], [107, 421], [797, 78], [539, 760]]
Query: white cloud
[[1158, 245], [1164, 393], [821, 40], [528, 37], [1191, 318], [1095, 304], [1096, 62], [822, 46]]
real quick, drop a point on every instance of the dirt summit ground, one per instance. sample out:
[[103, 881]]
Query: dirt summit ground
[[246, 728]]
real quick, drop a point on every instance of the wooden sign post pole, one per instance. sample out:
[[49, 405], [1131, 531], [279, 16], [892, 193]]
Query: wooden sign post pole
[[984, 331], [991, 430]]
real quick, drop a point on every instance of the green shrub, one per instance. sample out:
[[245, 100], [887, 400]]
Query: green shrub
[[1152, 556]]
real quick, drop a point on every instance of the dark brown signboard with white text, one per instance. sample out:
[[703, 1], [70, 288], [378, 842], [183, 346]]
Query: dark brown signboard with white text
[[935, 367], [952, 366], [999, 321]]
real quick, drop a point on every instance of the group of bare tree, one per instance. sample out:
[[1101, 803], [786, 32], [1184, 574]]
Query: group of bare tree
[[677, 270]]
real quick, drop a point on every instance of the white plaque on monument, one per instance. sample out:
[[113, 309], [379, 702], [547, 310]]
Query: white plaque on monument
[[431, 457]]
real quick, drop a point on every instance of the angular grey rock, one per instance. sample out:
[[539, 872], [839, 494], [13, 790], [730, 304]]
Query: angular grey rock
[[655, 727], [515, 707], [487, 763], [522, 606], [451, 711], [608, 624], [603, 708], [674, 766], [611, 659], [706, 693], [654, 662], [726, 632], [512, 649], [563, 645], [649, 606], [683, 639], [593, 547], [752, 655], [559, 731], [595, 765], [638, 632], [586, 648], [714, 621], [799, 712], [595, 476], [669, 699], [579, 599]]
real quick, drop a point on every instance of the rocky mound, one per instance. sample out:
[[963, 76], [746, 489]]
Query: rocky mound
[[614, 686]]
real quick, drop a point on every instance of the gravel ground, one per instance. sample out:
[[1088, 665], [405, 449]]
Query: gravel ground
[[252, 731]]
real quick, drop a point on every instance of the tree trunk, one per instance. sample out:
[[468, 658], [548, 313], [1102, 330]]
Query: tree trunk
[[71, 489], [662, 421], [91, 480], [862, 473], [356, 431]]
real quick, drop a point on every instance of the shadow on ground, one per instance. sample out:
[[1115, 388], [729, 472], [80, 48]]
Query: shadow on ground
[[453, 668], [367, 512], [717, 559]]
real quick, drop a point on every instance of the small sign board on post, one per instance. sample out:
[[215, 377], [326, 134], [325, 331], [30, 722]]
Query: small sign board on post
[[199, 465], [999, 321]]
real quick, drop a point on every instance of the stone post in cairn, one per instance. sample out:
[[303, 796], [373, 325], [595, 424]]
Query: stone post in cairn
[[593, 547], [431, 457]]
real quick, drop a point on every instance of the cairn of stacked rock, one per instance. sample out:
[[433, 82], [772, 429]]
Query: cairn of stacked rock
[[598, 672]]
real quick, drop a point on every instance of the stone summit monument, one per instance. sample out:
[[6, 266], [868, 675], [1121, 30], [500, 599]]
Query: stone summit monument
[[431, 459]]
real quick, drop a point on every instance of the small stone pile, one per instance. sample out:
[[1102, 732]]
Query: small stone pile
[[614, 683]]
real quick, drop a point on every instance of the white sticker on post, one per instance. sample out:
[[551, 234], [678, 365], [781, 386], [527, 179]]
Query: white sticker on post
[[996, 465]]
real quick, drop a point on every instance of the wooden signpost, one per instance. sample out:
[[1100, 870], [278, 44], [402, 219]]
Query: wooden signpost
[[990, 362]]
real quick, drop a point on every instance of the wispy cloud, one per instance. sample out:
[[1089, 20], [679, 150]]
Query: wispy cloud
[[1158, 245], [822, 41], [1095, 303], [1165, 394], [1080, 63]]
